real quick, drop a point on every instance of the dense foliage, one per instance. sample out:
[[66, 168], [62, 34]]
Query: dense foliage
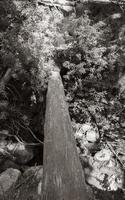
[[21, 102], [93, 72]]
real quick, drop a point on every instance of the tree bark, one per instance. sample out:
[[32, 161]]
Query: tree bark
[[63, 176]]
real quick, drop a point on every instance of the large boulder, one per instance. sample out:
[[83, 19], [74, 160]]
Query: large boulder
[[22, 153], [28, 186], [7, 180]]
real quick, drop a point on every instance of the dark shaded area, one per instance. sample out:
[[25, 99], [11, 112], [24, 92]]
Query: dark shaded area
[[22, 105], [113, 195]]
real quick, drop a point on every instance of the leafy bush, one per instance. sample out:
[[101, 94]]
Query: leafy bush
[[90, 73]]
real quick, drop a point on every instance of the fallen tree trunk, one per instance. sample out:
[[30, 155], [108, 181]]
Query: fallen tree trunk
[[63, 177]]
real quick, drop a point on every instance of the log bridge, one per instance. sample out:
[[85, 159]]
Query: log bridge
[[63, 176]]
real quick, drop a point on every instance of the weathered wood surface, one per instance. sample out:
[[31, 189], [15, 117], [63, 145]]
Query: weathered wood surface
[[63, 177]]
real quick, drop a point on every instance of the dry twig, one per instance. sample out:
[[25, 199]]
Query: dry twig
[[116, 155]]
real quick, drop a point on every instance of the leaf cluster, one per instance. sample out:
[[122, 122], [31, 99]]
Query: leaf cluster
[[90, 71]]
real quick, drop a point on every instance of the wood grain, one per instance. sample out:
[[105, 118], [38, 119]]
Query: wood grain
[[63, 177]]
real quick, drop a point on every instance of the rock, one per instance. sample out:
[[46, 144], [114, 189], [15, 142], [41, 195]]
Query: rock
[[29, 185], [103, 171], [92, 136], [11, 164], [21, 152], [18, 152], [95, 182], [86, 129], [79, 134], [8, 179], [86, 146], [86, 136], [37, 171], [103, 155], [113, 185], [37, 174]]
